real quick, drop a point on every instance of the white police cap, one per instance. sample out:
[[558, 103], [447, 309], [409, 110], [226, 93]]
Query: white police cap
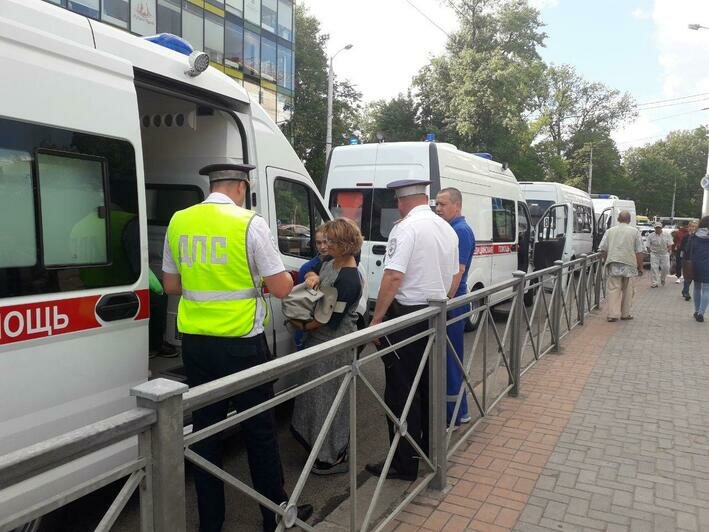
[[409, 187]]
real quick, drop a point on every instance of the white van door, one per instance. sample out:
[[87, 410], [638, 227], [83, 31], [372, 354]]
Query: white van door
[[73, 290], [295, 211], [504, 239]]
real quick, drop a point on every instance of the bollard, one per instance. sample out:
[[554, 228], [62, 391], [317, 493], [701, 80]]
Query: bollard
[[165, 476], [437, 395], [518, 325], [556, 304], [581, 303]]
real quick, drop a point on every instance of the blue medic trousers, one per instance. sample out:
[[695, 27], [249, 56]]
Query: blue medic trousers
[[454, 377]]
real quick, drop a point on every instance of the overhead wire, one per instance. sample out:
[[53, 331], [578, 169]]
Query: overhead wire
[[424, 15], [643, 104]]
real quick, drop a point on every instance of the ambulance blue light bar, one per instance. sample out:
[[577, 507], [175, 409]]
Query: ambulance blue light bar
[[430, 137], [601, 196], [172, 42], [484, 155]]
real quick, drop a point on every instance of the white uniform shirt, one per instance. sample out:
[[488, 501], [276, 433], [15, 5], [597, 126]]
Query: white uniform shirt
[[424, 247], [264, 258], [658, 243]]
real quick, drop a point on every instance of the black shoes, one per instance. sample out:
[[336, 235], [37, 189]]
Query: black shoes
[[699, 317], [686, 297], [393, 474]]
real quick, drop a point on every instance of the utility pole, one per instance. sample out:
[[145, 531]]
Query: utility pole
[[330, 83], [590, 170], [674, 192], [705, 186]]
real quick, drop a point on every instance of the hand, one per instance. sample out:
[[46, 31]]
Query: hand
[[312, 281], [376, 321], [297, 324]]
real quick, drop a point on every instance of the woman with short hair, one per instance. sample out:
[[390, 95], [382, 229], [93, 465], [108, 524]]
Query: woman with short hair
[[344, 241]]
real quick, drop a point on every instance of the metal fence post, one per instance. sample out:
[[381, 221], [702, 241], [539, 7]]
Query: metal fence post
[[518, 325], [581, 303], [599, 280], [437, 395], [556, 304], [164, 444]]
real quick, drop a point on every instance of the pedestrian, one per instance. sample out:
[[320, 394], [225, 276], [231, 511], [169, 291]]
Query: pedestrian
[[311, 408], [659, 246], [691, 229], [678, 238], [449, 204], [622, 250], [421, 260], [216, 254], [698, 255]]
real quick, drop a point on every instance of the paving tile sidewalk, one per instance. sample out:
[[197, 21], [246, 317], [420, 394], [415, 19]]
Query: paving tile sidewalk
[[612, 434]]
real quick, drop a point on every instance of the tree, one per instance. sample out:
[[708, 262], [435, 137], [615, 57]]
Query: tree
[[397, 120], [480, 93], [652, 170], [572, 114], [308, 121]]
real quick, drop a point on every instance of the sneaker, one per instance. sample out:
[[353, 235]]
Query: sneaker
[[653, 286], [466, 419], [679, 280], [686, 297], [699, 317]]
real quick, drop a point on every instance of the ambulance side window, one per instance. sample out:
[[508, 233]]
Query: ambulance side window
[[504, 224], [298, 215], [68, 210]]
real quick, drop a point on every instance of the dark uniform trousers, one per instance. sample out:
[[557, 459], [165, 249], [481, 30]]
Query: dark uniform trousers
[[400, 373], [207, 358]]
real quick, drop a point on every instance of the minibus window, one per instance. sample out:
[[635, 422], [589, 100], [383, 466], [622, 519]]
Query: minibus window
[[18, 246], [293, 218], [582, 219], [537, 209], [162, 201], [385, 213], [69, 214], [348, 204], [504, 224], [74, 209]]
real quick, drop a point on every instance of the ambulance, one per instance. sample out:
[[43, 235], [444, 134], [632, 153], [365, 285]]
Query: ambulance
[[102, 134], [493, 203]]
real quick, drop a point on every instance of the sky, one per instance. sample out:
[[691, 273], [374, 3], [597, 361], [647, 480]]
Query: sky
[[643, 47]]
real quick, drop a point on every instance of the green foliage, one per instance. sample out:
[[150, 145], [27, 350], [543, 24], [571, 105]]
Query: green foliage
[[307, 126], [397, 120], [652, 170]]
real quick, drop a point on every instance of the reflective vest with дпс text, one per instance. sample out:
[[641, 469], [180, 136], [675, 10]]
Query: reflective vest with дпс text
[[208, 244]]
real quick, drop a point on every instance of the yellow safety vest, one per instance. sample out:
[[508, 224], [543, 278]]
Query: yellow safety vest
[[208, 244]]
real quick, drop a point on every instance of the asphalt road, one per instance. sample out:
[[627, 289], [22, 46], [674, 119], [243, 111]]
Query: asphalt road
[[325, 493]]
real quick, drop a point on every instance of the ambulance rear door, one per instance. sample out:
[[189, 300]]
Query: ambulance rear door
[[73, 292]]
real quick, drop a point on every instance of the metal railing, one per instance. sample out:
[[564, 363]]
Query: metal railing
[[557, 299]]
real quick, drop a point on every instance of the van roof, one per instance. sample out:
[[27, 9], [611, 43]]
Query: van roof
[[142, 54]]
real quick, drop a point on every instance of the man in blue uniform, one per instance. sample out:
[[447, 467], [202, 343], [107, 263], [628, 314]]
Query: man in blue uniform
[[449, 203]]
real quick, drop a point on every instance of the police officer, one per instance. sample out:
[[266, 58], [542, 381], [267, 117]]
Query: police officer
[[449, 205], [421, 260], [216, 256]]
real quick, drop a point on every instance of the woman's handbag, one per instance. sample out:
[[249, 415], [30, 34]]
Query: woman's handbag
[[305, 304]]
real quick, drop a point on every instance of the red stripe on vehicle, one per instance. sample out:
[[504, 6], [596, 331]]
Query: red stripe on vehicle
[[144, 310], [495, 249]]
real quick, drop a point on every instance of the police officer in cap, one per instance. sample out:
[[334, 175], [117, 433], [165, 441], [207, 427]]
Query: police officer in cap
[[421, 260], [217, 256]]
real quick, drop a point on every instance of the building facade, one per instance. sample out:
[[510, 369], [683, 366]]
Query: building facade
[[250, 40]]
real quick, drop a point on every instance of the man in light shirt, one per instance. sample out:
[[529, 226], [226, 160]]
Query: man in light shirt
[[622, 250], [659, 246], [420, 264]]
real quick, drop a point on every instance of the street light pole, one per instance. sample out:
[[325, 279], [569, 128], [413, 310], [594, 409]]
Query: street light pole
[[330, 87], [705, 201], [590, 170]]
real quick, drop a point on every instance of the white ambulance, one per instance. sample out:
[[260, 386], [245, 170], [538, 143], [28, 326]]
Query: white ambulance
[[573, 208], [493, 203], [101, 137]]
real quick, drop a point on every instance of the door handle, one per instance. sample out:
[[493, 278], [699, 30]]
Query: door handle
[[118, 306], [379, 249]]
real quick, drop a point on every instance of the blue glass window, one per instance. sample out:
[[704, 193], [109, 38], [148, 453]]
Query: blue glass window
[[268, 59]]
